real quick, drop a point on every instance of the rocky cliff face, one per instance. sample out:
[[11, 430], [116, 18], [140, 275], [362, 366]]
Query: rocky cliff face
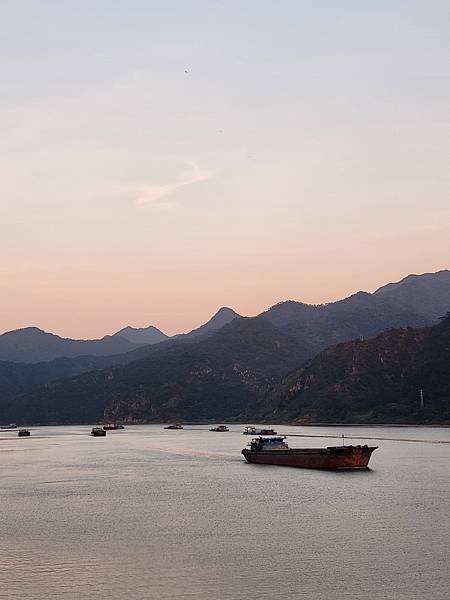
[[219, 378], [371, 381]]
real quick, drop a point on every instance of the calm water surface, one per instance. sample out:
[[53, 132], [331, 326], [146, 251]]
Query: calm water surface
[[148, 513]]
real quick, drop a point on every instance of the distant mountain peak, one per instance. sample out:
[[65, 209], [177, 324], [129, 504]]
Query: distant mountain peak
[[442, 275], [224, 312], [28, 335], [124, 329], [360, 294], [142, 335], [355, 299], [25, 330], [129, 328], [221, 318], [427, 294]]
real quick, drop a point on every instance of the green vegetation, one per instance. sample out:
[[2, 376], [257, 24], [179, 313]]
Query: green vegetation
[[371, 381]]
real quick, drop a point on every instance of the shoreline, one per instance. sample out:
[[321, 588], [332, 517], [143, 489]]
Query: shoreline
[[242, 423]]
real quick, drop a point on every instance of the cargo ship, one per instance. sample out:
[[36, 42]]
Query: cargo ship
[[275, 451]]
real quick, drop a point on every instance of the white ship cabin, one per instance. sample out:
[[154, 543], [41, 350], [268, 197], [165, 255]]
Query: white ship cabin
[[274, 443]]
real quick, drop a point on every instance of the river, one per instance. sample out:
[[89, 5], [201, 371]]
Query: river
[[149, 513]]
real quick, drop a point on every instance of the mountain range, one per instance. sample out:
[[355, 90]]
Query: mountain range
[[32, 344], [360, 315], [231, 368], [219, 375]]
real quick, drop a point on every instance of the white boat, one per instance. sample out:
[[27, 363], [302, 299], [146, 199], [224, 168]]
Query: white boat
[[251, 430]]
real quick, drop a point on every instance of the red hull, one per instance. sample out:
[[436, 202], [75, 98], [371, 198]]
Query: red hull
[[333, 458]]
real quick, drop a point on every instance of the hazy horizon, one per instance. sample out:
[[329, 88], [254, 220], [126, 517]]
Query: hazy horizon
[[159, 161], [203, 319]]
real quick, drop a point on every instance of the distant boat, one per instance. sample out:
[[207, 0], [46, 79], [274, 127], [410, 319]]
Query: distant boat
[[251, 430], [112, 427], [23, 433], [174, 426], [98, 432], [275, 451], [220, 428], [10, 426]]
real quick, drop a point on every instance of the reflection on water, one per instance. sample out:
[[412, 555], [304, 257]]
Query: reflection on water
[[153, 513]]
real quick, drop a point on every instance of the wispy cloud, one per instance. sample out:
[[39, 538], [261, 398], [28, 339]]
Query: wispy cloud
[[152, 194]]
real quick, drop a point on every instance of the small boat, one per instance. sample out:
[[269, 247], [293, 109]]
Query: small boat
[[220, 428], [275, 451], [112, 427], [23, 433], [251, 430], [98, 432], [174, 426], [10, 426]]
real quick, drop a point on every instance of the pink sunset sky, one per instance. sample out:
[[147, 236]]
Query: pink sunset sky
[[160, 160]]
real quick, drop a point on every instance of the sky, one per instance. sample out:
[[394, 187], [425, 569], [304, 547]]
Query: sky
[[159, 160]]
